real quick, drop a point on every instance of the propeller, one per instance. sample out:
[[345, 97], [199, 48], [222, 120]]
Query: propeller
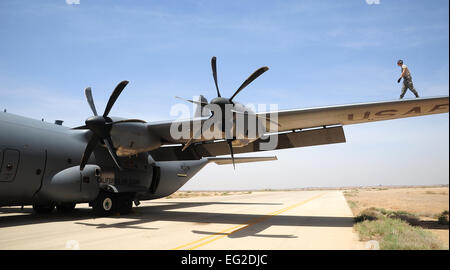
[[221, 101], [100, 126], [214, 70], [230, 145], [197, 102], [249, 80]]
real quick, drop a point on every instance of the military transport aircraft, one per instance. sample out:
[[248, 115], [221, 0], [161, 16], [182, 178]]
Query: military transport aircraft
[[128, 160]]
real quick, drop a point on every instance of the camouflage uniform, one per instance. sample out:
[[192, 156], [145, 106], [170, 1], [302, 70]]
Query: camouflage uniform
[[407, 83]]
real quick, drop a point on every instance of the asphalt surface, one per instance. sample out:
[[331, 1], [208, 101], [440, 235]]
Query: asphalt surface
[[260, 220]]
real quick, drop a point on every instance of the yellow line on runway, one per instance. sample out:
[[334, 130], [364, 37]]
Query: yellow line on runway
[[240, 227]]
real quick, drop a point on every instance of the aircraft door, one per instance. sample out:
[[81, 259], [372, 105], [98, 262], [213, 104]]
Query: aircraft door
[[9, 164]]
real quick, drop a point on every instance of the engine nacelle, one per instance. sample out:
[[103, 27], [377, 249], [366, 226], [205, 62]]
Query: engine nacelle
[[172, 175], [73, 185], [133, 138]]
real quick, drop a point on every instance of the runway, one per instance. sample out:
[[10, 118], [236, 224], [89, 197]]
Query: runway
[[261, 220]]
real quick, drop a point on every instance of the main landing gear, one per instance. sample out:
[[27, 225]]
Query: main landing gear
[[48, 208], [108, 203]]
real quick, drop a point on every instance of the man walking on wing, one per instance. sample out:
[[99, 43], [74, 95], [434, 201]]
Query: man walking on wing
[[407, 80]]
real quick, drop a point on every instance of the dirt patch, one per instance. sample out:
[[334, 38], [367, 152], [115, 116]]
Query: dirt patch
[[442, 235]]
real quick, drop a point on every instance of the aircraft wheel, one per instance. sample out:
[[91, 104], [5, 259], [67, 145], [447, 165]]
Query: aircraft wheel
[[43, 209], [65, 207], [104, 205], [124, 206]]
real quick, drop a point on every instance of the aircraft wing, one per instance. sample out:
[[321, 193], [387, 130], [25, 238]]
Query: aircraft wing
[[309, 127], [358, 113], [162, 129]]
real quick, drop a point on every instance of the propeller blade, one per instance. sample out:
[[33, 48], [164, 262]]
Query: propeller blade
[[193, 101], [202, 110], [250, 79], [187, 144], [198, 133], [214, 70], [88, 151], [128, 121], [81, 127], [112, 152], [115, 94], [88, 93], [230, 145]]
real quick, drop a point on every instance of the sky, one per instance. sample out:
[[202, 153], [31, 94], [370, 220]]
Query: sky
[[319, 53]]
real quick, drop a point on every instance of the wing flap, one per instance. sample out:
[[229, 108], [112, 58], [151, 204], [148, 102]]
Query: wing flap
[[291, 139]]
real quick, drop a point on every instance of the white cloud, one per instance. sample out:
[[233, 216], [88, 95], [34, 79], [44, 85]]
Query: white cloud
[[371, 2], [73, 2]]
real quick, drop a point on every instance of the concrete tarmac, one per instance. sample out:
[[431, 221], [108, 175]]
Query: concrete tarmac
[[261, 220]]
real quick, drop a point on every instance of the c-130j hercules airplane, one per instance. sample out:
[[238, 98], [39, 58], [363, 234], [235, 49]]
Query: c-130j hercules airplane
[[128, 160]]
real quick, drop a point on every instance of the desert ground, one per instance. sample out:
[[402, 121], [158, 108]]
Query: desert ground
[[427, 203]]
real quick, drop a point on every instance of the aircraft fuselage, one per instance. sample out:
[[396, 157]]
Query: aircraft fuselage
[[33, 154]]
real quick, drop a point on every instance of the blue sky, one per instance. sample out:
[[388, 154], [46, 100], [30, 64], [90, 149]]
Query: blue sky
[[319, 53]]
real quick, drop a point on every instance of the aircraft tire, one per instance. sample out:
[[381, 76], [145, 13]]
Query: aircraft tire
[[105, 204], [43, 209], [124, 203], [124, 206], [65, 207]]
